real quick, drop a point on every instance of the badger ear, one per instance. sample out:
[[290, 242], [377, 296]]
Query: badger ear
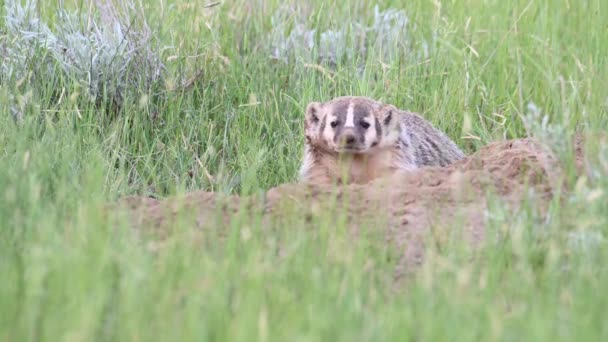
[[313, 114], [388, 114]]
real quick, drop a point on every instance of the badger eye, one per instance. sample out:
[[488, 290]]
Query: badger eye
[[364, 124], [334, 124]]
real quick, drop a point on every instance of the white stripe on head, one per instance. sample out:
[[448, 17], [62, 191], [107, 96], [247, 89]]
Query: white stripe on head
[[350, 120]]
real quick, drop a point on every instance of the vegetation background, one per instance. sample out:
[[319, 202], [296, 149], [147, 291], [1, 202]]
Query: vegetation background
[[100, 100]]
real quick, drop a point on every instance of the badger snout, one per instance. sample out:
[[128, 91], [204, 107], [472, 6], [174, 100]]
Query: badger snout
[[349, 141]]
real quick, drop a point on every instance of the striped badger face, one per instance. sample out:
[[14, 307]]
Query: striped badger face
[[351, 125]]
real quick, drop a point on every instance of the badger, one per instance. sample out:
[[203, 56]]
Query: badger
[[356, 139]]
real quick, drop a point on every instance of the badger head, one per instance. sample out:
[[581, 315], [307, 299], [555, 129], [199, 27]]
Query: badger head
[[351, 124]]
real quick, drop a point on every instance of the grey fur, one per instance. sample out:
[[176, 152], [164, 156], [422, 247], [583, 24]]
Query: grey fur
[[432, 147]]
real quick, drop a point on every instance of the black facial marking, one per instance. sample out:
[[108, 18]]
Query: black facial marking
[[378, 128], [360, 113], [323, 124], [339, 112], [314, 117], [338, 129], [340, 109], [375, 143], [388, 118]]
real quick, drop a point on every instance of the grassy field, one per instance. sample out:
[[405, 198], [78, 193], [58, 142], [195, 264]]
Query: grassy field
[[480, 70]]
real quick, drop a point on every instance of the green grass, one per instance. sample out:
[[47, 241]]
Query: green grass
[[70, 271]]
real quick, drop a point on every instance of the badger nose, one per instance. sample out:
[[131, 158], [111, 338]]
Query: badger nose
[[348, 139]]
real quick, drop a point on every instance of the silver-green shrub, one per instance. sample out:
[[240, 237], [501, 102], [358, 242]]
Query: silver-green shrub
[[112, 53]]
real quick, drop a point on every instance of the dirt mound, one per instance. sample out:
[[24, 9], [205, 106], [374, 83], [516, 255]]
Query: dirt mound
[[407, 205]]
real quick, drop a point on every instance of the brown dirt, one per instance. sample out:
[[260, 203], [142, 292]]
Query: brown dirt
[[410, 205]]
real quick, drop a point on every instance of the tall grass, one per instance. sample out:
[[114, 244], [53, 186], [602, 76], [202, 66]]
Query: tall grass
[[226, 116]]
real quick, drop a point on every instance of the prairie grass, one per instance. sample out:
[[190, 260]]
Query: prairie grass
[[225, 115]]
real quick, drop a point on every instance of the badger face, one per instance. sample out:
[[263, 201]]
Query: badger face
[[351, 125]]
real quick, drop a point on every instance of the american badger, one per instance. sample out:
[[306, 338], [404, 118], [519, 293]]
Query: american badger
[[357, 139]]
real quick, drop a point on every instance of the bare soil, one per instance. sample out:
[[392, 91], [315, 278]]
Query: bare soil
[[407, 207]]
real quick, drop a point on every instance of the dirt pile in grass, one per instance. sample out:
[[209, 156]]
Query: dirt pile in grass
[[406, 207]]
